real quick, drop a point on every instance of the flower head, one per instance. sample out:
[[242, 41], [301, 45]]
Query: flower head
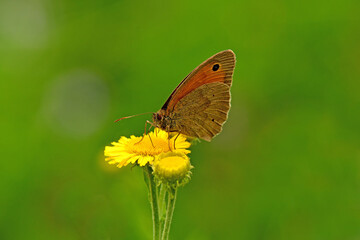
[[172, 168], [143, 150]]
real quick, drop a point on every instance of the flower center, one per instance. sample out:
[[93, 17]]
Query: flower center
[[145, 147]]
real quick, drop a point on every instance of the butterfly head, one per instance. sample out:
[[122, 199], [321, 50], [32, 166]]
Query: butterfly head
[[160, 120]]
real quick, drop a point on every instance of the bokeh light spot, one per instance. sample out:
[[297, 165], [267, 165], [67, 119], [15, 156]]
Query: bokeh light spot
[[77, 103]]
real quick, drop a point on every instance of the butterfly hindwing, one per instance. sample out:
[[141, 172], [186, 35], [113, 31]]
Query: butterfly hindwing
[[202, 112]]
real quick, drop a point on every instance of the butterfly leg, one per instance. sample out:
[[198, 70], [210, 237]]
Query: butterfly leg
[[175, 139], [143, 133], [142, 138], [151, 125], [168, 133]]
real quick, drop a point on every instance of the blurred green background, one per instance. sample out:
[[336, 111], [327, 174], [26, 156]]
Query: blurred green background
[[286, 165]]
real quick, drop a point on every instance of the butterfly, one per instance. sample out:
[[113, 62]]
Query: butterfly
[[199, 105]]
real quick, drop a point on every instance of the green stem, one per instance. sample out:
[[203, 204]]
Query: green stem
[[162, 204], [169, 212], [153, 202]]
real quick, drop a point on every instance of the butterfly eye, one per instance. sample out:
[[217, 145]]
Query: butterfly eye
[[158, 117], [215, 67]]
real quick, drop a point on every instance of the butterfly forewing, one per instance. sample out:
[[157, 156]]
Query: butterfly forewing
[[206, 72]]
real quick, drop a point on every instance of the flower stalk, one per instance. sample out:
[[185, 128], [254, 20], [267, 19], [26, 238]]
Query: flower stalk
[[162, 205], [169, 213], [153, 201]]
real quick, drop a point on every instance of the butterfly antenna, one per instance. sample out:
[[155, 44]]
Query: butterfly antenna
[[132, 116]]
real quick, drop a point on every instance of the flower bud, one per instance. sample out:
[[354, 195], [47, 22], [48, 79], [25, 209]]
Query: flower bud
[[172, 168]]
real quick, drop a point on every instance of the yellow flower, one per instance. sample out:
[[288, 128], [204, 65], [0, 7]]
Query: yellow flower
[[172, 168], [132, 150]]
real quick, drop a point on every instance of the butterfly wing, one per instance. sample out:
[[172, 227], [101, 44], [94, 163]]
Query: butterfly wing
[[218, 68], [203, 111], [200, 104]]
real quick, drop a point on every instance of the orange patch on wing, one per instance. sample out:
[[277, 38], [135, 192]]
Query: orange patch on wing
[[203, 76]]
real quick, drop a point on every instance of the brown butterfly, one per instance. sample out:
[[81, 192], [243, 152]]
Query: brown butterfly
[[199, 105]]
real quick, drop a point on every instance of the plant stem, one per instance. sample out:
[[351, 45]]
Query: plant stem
[[169, 212], [153, 202], [162, 205]]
